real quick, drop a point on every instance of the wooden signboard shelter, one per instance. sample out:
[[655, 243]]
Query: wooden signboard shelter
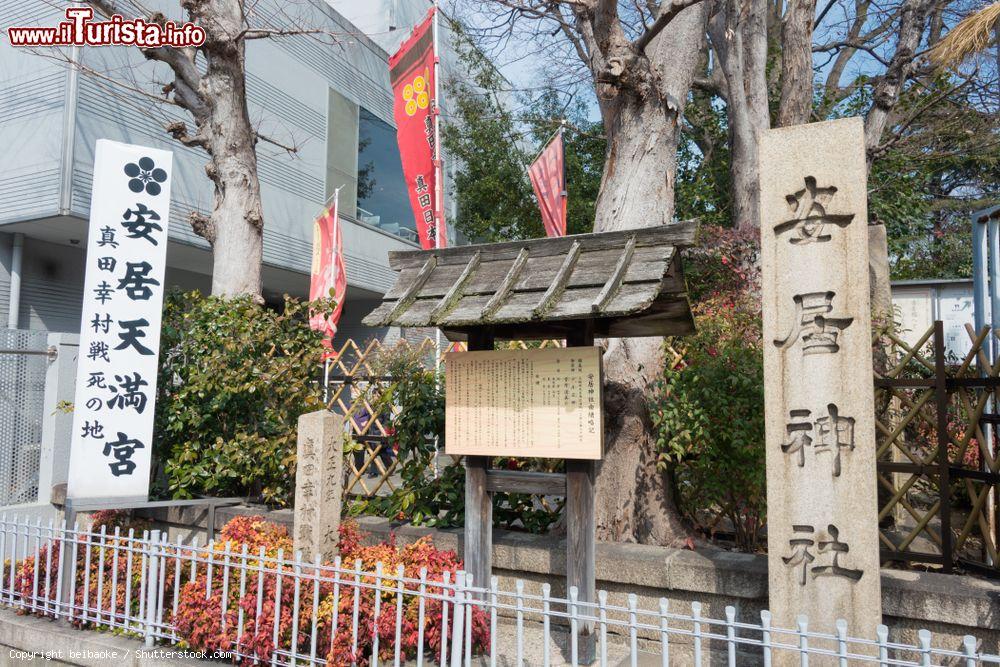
[[624, 284]]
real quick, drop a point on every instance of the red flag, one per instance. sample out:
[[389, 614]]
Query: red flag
[[548, 178], [328, 274], [411, 73]]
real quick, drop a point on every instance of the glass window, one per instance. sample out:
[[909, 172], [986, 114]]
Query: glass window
[[383, 201]]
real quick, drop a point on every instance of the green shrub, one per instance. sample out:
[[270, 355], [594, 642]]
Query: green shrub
[[234, 378], [709, 410]]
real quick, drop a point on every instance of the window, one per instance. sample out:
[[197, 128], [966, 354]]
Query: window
[[383, 200]]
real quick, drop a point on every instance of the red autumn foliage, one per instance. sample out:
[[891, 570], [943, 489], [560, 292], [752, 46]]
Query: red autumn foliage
[[209, 619]]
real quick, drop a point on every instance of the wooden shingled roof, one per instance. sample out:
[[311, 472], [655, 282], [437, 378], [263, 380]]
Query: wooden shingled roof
[[628, 283]]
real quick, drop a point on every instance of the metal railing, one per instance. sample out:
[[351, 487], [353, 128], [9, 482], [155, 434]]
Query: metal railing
[[140, 585]]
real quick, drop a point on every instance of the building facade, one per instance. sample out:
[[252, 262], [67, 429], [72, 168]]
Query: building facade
[[328, 95]]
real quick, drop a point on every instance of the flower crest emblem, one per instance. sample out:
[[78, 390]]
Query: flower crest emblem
[[145, 175]]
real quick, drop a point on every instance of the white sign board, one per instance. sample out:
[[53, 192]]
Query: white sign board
[[915, 311], [524, 403], [955, 309], [120, 328]]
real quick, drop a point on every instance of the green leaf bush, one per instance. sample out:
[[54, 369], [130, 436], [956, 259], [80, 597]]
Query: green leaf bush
[[708, 411], [234, 378]]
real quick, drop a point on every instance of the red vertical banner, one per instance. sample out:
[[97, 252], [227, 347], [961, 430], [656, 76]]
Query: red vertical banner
[[548, 178], [328, 274], [411, 73]]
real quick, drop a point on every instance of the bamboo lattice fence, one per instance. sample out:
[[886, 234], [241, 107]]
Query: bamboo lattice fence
[[938, 469]]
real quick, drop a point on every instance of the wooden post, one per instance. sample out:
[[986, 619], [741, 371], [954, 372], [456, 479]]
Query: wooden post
[[478, 500], [944, 481], [581, 540]]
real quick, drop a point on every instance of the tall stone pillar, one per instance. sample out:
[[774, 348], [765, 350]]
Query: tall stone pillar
[[318, 484], [823, 552]]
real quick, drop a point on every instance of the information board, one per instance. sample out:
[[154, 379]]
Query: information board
[[543, 403]]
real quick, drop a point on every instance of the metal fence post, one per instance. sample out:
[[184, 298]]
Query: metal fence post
[[152, 579], [458, 623]]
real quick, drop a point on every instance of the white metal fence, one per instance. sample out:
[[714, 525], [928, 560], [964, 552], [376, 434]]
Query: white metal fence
[[288, 611]]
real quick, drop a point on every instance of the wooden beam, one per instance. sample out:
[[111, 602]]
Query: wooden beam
[[581, 545], [454, 293], [558, 285], [614, 281], [581, 538], [520, 481], [478, 500], [506, 286], [407, 298]]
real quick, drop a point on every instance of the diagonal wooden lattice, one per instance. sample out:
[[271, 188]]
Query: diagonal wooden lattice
[[938, 469]]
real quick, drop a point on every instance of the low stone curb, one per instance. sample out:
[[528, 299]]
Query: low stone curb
[[28, 639]]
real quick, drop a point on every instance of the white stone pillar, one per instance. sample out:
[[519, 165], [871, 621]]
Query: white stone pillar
[[823, 548]]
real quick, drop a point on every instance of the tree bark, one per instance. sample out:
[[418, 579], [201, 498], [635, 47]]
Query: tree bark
[[634, 498], [236, 225], [739, 39], [912, 20], [795, 105], [216, 100]]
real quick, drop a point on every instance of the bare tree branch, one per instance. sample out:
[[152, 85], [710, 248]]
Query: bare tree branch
[[667, 14], [291, 150], [913, 14]]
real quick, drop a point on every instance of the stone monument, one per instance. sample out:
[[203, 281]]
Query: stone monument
[[823, 550], [318, 484]]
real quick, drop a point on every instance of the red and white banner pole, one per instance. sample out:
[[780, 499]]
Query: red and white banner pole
[[438, 171]]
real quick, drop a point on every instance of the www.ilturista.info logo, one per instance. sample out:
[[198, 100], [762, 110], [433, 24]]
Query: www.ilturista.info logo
[[79, 30]]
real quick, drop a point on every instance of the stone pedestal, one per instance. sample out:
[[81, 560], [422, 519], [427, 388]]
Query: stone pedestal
[[318, 484], [823, 550]]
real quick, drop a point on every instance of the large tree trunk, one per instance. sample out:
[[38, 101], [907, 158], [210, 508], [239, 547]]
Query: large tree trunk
[[634, 499], [639, 167], [215, 96], [739, 39], [235, 228], [795, 106]]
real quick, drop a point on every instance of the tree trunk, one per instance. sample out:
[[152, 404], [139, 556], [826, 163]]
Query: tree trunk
[[639, 168], [739, 39], [235, 227], [634, 498], [795, 106], [213, 90], [912, 20]]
